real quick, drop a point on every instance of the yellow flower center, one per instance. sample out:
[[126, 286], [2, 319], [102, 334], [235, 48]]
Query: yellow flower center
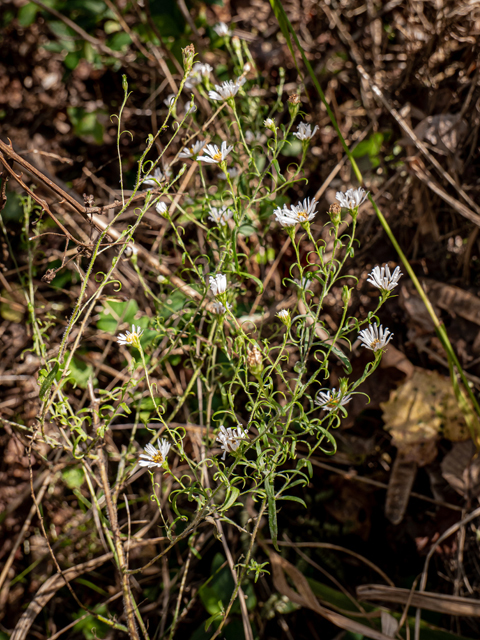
[[131, 338], [374, 344], [217, 157], [332, 404], [302, 214], [158, 458]]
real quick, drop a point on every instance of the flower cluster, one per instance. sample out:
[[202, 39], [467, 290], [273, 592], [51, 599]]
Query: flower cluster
[[199, 71]]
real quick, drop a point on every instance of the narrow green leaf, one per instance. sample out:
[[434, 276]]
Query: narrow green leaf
[[232, 495], [277, 169], [284, 23], [47, 383], [272, 512], [287, 28], [295, 499]]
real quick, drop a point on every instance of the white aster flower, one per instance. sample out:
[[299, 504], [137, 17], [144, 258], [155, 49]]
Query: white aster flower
[[304, 283], [190, 109], [230, 439], [375, 337], [330, 400], [233, 173], [170, 99], [352, 198], [214, 155], [226, 90], [221, 29], [220, 309], [218, 284], [305, 211], [161, 208], [130, 338], [202, 68], [270, 124], [153, 180], [284, 217], [284, 316], [220, 215], [297, 214], [304, 131], [154, 457], [383, 279], [193, 151], [199, 71]]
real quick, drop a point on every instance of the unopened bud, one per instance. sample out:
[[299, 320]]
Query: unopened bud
[[188, 55], [247, 67], [130, 251], [346, 295], [161, 208], [254, 360], [294, 105], [343, 382], [335, 213], [124, 83]]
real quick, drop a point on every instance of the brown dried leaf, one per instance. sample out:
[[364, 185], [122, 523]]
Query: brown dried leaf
[[399, 488], [453, 299], [423, 409], [462, 470]]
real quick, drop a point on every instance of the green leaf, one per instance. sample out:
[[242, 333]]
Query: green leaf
[[79, 373], [119, 41], [27, 14], [287, 28], [47, 383], [279, 173], [284, 23], [232, 495], [294, 499], [115, 313], [272, 512], [73, 477]]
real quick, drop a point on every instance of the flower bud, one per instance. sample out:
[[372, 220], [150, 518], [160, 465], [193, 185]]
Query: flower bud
[[124, 83], [162, 209], [270, 124], [346, 295], [284, 316], [335, 213], [343, 382], [293, 105], [188, 55], [254, 360]]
